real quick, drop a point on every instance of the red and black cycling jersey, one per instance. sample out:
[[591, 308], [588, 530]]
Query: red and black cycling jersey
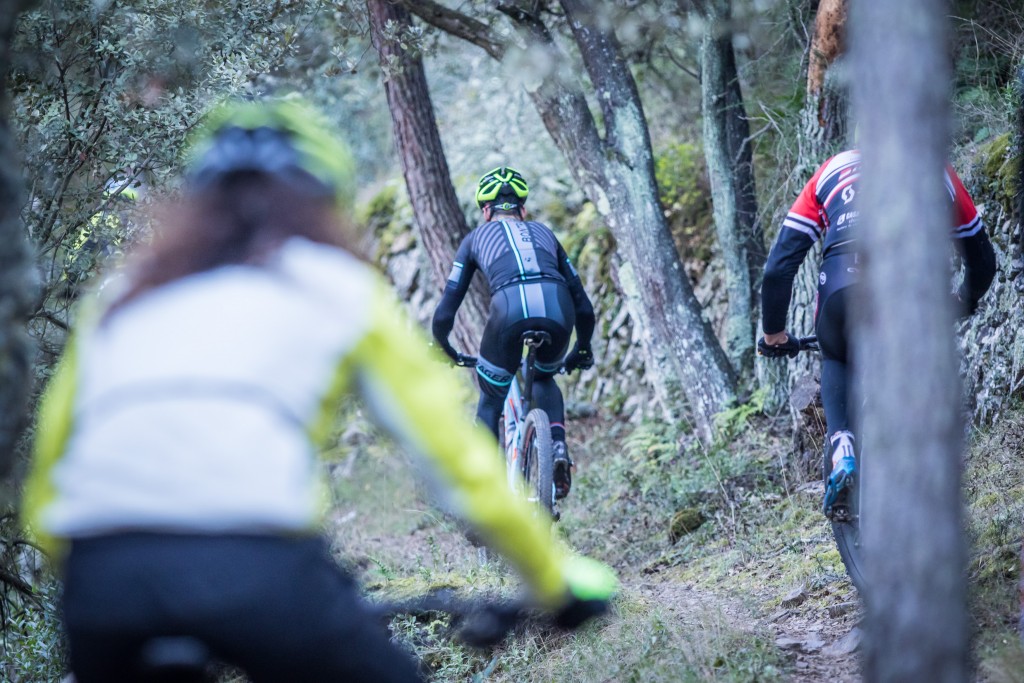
[[827, 209], [512, 253]]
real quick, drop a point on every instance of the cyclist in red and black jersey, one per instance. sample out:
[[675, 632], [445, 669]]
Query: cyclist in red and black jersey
[[827, 210], [533, 286]]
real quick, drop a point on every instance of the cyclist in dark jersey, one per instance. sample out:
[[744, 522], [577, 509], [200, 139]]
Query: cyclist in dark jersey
[[827, 210], [533, 287]]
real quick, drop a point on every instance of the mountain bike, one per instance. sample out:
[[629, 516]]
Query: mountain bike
[[477, 622], [845, 515], [527, 432]]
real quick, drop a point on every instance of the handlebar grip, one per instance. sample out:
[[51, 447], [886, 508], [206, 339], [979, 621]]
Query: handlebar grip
[[808, 343]]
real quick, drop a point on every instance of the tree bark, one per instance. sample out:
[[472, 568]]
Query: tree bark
[[904, 345], [17, 279], [616, 172], [728, 150], [439, 220], [822, 131]]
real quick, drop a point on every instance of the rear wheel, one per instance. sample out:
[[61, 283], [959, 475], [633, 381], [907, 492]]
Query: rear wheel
[[846, 521], [847, 535], [537, 461]]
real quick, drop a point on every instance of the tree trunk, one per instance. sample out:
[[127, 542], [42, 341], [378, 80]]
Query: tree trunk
[[616, 172], [822, 131], [17, 281], [912, 433], [438, 217], [727, 148]]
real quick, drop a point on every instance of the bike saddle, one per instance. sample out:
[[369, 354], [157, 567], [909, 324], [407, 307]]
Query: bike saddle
[[174, 658], [536, 338]]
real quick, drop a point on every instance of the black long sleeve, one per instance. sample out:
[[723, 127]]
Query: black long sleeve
[[454, 292], [980, 268], [780, 270], [585, 318]]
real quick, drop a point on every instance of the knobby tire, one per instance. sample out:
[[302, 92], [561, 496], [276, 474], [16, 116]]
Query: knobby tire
[[537, 461], [847, 534]]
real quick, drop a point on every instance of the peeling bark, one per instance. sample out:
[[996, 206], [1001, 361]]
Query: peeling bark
[[827, 44], [438, 218]]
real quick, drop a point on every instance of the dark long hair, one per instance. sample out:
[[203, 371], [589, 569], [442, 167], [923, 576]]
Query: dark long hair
[[241, 219]]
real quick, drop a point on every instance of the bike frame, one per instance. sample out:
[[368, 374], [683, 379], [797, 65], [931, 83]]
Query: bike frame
[[513, 414]]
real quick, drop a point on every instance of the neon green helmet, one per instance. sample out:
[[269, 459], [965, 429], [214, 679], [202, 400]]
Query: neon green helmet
[[282, 138], [503, 188]]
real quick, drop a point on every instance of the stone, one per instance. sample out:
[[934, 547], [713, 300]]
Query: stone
[[684, 522], [794, 597], [848, 644]]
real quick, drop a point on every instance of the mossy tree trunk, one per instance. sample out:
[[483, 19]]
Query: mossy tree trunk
[[917, 623], [17, 280], [616, 172], [822, 132], [728, 150], [439, 219]]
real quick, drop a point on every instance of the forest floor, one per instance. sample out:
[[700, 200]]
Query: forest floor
[[757, 592]]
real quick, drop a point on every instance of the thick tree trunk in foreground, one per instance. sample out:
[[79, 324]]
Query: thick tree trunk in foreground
[[17, 281], [439, 219], [728, 150], [616, 172], [912, 433]]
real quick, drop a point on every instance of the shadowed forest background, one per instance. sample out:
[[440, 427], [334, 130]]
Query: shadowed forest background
[[663, 142]]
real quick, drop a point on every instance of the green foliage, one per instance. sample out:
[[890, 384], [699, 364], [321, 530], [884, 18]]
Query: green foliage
[[686, 197], [32, 649], [104, 95], [1000, 165], [734, 420]]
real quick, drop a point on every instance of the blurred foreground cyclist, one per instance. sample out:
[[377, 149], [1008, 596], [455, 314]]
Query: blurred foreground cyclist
[[174, 469]]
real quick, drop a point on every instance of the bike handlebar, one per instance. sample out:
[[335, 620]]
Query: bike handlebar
[[808, 343], [464, 361], [481, 622], [467, 361], [789, 348]]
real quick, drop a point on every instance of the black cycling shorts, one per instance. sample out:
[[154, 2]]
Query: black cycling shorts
[[279, 608], [545, 306], [838, 273]]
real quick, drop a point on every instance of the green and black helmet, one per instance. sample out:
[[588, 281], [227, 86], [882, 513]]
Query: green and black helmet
[[502, 188], [282, 138]]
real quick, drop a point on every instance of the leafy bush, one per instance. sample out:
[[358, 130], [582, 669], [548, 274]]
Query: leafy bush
[[686, 198], [33, 648]]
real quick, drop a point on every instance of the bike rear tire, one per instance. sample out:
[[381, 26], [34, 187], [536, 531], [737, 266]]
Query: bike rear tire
[[537, 461], [848, 542], [846, 530]]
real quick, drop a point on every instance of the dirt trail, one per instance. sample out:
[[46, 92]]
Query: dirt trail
[[818, 646]]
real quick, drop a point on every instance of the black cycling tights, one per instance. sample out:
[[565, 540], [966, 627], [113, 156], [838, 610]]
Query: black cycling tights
[[839, 274], [501, 350], [546, 395], [278, 608]]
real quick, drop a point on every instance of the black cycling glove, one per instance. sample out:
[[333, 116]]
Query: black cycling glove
[[579, 358], [790, 348]]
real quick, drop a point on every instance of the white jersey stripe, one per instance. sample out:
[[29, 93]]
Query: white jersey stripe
[[968, 230]]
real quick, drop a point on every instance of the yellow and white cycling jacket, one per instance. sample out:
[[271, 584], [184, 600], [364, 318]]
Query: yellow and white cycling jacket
[[199, 406]]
